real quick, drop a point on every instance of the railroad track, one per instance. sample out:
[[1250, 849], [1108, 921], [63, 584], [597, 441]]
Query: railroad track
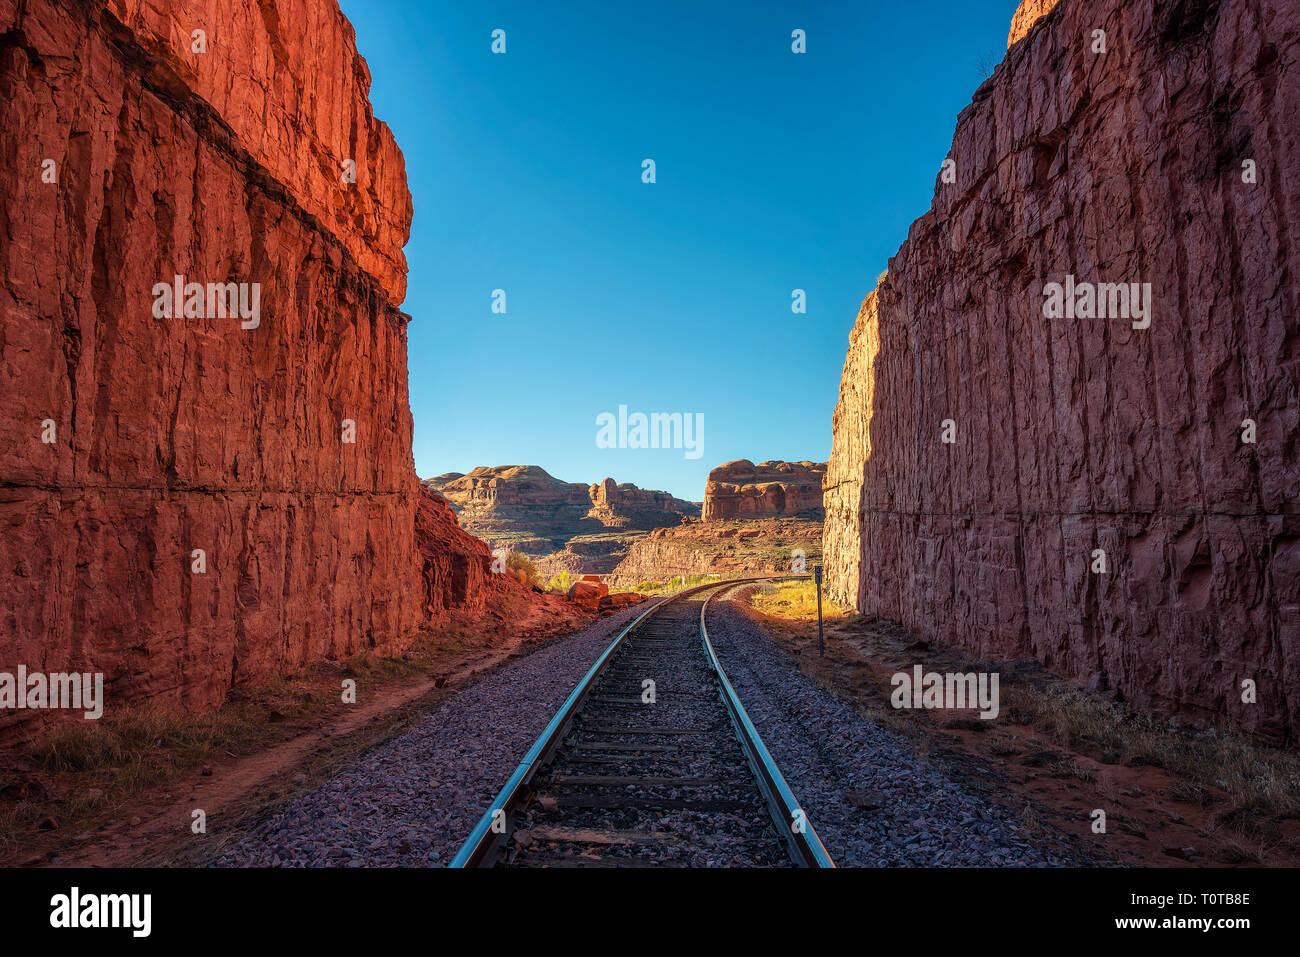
[[651, 761]]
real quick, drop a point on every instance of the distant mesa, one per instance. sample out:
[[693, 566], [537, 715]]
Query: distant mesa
[[753, 518], [743, 490], [563, 525], [528, 493], [757, 519]]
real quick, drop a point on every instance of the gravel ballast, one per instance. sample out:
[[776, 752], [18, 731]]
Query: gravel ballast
[[826, 751], [412, 801]]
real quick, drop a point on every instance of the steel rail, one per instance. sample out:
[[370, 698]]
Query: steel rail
[[791, 822], [481, 847], [494, 827]]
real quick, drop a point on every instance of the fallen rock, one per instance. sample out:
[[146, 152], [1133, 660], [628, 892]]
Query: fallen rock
[[588, 595], [617, 601]]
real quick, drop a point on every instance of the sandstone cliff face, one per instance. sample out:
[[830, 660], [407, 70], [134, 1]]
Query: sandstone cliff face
[[461, 587], [564, 525], [163, 436], [1073, 435], [286, 77], [724, 547], [1027, 14], [741, 489]]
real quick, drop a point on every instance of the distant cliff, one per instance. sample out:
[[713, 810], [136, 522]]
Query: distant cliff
[[741, 489], [755, 546], [563, 525]]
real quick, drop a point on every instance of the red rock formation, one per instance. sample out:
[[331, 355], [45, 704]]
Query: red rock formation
[[171, 435], [588, 594], [529, 494], [1073, 435], [749, 546], [1027, 14], [460, 583], [562, 525], [512, 485], [457, 568], [286, 77], [741, 489], [617, 601], [627, 503]]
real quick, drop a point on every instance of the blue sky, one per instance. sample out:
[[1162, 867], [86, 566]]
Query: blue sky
[[775, 172]]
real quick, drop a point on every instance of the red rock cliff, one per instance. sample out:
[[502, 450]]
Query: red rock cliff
[[1083, 434], [741, 489], [130, 440]]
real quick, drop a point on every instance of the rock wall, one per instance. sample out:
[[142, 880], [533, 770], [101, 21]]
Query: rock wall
[[737, 547], [741, 489], [132, 440], [1027, 14], [1073, 435]]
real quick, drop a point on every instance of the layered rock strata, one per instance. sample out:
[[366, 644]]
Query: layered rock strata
[[741, 490], [563, 525], [200, 489]]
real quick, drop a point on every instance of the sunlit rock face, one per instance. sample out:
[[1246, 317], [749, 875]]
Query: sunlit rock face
[[741, 489], [194, 499], [1162, 449], [1027, 14], [562, 526]]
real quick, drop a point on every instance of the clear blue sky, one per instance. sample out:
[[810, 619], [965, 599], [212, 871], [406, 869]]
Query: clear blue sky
[[775, 171]]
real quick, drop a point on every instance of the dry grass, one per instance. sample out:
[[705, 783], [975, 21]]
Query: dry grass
[[90, 765], [796, 600], [143, 744], [1262, 781], [1249, 789], [139, 745], [674, 584]]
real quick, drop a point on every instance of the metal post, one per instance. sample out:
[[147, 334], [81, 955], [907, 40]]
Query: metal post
[[821, 641]]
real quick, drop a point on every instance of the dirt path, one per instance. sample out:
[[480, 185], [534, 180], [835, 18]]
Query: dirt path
[[153, 825]]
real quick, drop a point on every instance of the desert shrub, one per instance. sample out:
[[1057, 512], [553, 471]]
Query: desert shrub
[[521, 567]]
